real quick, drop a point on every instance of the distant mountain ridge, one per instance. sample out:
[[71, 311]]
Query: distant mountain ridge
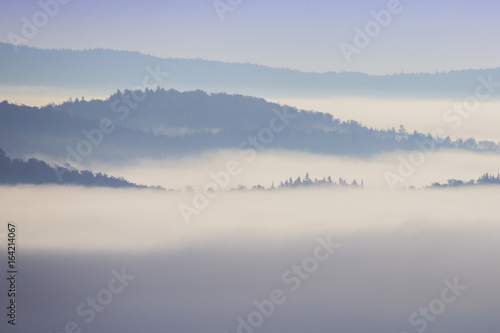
[[108, 69]]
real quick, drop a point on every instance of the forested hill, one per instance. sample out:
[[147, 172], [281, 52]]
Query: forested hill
[[37, 172], [99, 69], [158, 124]]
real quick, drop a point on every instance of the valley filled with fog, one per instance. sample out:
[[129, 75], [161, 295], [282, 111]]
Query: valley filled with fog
[[276, 166], [206, 258], [394, 253], [415, 114], [177, 167]]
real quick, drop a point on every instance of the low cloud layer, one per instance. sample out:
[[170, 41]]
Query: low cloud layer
[[399, 253], [418, 168], [422, 115]]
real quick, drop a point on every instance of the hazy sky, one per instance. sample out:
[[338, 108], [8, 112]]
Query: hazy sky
[[424, 36]]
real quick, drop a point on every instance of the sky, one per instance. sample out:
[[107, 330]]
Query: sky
[[420, 36]]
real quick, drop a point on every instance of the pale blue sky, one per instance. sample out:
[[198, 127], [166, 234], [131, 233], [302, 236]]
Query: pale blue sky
[[426, 36]]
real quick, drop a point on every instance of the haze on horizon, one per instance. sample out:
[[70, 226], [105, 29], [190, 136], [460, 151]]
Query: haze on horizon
[[423, 36]]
